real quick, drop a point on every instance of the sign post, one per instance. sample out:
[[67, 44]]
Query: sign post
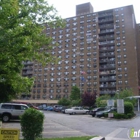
[[9, 134]]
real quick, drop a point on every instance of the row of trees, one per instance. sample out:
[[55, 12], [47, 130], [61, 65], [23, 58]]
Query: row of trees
[[76, 98], [91, 100]]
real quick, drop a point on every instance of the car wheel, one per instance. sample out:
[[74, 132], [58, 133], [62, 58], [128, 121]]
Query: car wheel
[[93, 115], [5, 117]]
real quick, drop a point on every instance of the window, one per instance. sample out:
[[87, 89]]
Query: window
[[119, 82], [5, 106], [81, 16], [118, 44], [74, 18], [120, 76], [94, 59], [124, 49], [59, 68], [119, 56], [119, 69], [67, 25], [66, 67], [51, 90], [125, 75], [125, 69], [59, 73], [17, 107], [94, 71], [125, 62], [94, 47], [52, 79], [119, 63], [126, 82], [95, 77], [124, 56], [67, 20], [75, 23]]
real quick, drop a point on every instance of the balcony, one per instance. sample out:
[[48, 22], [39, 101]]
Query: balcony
[[108, 26], [105, 43], [108, 72], [106, 31], [107, 67], [107, 86], [107, 79], [104, 61], [106, 49], [107, 55], [107, 20], [106, 37], [105, 15]]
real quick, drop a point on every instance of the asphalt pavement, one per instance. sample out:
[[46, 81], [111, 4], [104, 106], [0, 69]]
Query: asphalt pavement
[[64, 125]]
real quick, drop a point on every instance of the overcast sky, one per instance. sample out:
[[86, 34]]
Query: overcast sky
[[68, 8]]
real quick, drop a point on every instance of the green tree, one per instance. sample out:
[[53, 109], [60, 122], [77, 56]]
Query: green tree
[[22, 34], [122, 94], [75, 93], [102, 100], [127, 95], [64, 101]]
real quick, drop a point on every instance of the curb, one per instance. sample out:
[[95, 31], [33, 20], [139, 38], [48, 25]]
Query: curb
[[98, 138]]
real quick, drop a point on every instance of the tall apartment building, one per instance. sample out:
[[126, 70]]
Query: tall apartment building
[[98, 52]]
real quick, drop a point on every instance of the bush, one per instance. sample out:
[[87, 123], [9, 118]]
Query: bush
[[64, 102], [76, 102], [128, 107], [32, 124], [123, 116], [120, 116]]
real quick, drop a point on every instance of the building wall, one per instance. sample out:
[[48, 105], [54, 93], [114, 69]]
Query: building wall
[[100, 44]]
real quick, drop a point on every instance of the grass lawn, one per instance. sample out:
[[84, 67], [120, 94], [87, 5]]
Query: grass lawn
[[69, 138]]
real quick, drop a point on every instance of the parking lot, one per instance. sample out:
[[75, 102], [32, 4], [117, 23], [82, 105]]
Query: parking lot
[[65, 125]]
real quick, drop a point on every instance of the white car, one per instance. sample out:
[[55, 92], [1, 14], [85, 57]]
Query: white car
[[76, 110]]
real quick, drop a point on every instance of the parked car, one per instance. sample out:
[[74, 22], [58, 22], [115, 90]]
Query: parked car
[[11, 111], [93, 112], [107, 110], [63, 109], [49, 108], [26, 103], [76, 110], [56, 108], [42, 106]]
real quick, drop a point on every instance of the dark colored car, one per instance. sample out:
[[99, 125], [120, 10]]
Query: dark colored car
[[107, 110], [58, 109], [93, 112], [49, 108]]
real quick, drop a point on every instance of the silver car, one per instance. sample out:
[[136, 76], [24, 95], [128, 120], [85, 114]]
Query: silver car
[[76, 110]]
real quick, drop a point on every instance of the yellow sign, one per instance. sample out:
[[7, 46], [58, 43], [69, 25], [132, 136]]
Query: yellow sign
[[9, 134]]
